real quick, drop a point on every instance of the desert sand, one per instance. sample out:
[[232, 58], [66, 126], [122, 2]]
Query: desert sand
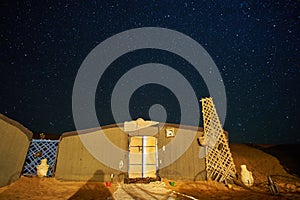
[[260, 163]]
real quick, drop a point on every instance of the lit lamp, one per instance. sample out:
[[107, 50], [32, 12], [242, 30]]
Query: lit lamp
[[170, 132]]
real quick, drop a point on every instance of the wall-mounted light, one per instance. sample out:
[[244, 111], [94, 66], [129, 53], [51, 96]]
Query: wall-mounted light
[[170, 132]]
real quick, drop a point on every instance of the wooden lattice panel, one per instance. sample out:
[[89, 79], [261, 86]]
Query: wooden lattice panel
[[219, 162], [38, 150]]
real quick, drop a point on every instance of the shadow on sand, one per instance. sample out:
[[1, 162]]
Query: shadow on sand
[[93, 189]]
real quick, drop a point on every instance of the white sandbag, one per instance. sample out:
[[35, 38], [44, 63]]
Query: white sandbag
[[246, 176], [42, 169]]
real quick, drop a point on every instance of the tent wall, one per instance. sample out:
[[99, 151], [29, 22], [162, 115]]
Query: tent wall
[[189, 166], [14, 143], [74, 162]]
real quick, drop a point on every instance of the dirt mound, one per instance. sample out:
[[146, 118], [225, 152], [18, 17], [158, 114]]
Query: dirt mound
[[258, 162], [287, 154]]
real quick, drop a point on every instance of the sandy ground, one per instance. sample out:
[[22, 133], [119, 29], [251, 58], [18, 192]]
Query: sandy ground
[[257, 161], [154, 190], [50, 188]]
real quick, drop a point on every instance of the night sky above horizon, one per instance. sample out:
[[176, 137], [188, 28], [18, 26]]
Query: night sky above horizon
[[254, 45]]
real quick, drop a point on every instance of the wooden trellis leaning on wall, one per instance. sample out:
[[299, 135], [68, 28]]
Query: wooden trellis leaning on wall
[[219, 162]]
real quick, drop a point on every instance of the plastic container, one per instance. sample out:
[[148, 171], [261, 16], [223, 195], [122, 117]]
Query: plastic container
[[108, 184]]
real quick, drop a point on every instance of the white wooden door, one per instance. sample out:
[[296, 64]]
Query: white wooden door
[[142, 157]]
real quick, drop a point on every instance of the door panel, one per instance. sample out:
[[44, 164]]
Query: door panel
[[149, 155], [149, 141], [135, 171], [142, 157], [136, 141], [135, 156], [149, 171]]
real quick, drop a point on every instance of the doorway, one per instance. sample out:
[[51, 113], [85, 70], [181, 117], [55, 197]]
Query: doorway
[[142, 157]]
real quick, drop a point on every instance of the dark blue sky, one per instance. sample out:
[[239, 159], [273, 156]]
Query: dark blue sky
[[254, 45]]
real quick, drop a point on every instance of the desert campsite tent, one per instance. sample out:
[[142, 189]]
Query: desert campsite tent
[[75, 162], [128, 151], [14, 143], [148, 150]]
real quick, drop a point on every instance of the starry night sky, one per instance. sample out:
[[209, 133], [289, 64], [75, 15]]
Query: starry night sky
[[254, 45]]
